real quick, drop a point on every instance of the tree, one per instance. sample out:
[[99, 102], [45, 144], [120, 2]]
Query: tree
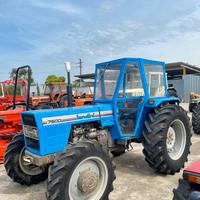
[[23, 74], [61, 79], [54, 78]]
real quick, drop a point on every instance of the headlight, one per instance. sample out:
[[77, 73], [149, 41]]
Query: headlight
[[31, 132]]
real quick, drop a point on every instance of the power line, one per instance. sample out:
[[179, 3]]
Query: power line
[[80, 70]]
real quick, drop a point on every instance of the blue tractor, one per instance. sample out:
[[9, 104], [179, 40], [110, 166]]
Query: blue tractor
[[131, 104]]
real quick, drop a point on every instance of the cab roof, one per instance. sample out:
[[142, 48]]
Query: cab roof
[[131, 59]]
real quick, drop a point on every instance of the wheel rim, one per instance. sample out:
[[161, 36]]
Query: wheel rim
[[26, 167], [88, 180], [176, 139]]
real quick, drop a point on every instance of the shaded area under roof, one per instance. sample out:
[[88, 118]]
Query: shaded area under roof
[[85, 76], [174, 69], [181, 68]]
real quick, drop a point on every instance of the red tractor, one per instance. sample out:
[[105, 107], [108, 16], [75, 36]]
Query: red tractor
[[6, 93], [10, 122], [189, 186]]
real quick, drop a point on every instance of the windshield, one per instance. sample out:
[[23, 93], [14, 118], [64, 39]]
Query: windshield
[[106, 81], [9, 89], [54, 88], [131, 85], [155, 79]]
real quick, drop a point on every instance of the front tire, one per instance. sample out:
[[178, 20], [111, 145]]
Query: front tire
[[196, 119], [83, 171], [167, 138], [16, 168], [186, 191]]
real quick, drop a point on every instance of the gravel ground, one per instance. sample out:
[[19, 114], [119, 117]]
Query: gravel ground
[[135, 179]]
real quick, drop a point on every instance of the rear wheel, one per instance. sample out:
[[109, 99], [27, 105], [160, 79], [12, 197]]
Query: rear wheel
[[167, 139], [17, 168], [196, 119], [83, 171], [172, 93]]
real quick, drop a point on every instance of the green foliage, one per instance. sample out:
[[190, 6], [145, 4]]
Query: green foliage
[[23, 75], [54, 78], [1, 91], [61, 78], [10, 89]]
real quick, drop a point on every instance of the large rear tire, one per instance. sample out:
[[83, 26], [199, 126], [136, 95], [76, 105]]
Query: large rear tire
[[167, 138], [19, 170], [84, 171], [196, 119], [172, 93]]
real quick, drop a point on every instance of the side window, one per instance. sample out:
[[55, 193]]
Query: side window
[[155, 80], [132, 83]]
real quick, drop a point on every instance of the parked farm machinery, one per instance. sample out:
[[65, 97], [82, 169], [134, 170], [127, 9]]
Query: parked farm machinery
[[10, 122], [189, 185], [131, 104], [6, 93], [194, 107]]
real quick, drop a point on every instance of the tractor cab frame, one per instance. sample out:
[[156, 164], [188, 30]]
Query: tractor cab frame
[[133, 86]]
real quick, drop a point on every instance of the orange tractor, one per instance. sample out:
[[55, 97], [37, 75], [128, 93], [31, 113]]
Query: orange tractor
[[6, 91], [10, 122], [83, 95]]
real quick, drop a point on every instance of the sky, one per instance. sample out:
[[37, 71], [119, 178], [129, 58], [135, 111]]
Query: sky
[[46, 33]]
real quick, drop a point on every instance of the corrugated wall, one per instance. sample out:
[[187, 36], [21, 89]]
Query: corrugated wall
[[179, 86], [191, 84]]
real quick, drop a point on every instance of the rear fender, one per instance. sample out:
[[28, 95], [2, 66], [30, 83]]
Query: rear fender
[[160, 100]]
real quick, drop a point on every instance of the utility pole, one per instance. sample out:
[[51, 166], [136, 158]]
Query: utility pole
[[80, 66]]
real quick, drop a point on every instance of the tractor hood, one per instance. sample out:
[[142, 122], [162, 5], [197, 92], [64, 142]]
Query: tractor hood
[[53, 127], [69, 115]]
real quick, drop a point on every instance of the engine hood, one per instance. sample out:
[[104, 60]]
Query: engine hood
[[71, 115]]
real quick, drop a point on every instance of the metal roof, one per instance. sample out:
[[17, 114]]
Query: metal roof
[[175, 69], [85, 76], [181, 68]]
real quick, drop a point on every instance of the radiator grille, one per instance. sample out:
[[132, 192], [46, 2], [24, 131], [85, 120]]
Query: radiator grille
[[32, 143]]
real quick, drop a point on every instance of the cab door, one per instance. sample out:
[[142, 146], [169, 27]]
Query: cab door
[[130, 100]]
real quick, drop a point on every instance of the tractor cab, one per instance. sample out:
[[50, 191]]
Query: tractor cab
[[130, 85]]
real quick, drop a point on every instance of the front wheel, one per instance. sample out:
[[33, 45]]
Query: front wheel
[[186, 191], [17, 168], [83, 171], [167, 139]]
